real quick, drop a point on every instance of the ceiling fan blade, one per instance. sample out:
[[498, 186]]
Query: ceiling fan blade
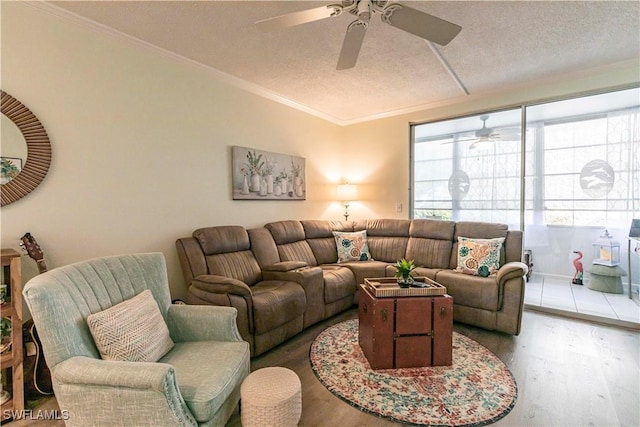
[[351, 45], [513, 132], [297, 18], [420, 24]]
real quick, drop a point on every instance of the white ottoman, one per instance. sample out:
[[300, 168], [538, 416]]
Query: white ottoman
[[271, 397]]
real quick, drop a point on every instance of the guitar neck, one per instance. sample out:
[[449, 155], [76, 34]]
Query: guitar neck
[[42, 266], [29, 244]]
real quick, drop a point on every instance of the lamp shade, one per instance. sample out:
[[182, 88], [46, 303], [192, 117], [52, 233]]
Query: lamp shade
[[347, 192]]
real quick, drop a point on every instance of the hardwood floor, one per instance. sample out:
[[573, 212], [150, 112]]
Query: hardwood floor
[[569, 373]]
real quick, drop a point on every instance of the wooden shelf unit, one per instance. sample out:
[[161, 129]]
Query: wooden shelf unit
[[12, 361]]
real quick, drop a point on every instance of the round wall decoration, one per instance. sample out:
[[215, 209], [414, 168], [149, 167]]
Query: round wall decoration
[[36, 164], [597, 178], [459, 185]]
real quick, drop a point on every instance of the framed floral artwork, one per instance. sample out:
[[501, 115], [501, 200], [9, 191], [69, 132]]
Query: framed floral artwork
[[263, 175]]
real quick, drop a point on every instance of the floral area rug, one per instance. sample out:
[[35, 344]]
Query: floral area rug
[[476, 390]]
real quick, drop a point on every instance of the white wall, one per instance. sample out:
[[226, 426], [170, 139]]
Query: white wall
[[141, 143]]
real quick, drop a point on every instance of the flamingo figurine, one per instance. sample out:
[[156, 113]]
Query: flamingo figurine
[[577, 277]]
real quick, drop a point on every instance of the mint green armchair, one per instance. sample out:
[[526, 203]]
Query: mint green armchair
[[197, 383]]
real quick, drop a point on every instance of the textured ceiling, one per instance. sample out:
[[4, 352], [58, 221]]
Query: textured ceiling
[[502, 44]]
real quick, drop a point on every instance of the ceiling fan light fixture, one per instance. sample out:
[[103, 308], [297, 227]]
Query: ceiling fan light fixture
[[483, 143], [364, 10], [484, 131]]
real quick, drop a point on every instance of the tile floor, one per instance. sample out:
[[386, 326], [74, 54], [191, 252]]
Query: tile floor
[[558, 295]]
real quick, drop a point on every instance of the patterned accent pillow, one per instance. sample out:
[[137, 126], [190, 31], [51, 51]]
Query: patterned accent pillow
[[352, 246], [479, 257], [133, 330]]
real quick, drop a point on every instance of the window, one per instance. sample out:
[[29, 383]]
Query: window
[[584, 167], [581, 164], [469, 169]]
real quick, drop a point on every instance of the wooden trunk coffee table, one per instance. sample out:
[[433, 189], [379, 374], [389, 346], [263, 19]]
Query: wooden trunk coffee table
[[405, 327]]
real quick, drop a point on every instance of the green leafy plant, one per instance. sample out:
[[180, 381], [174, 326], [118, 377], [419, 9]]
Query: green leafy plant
[[8, 169], [283, 176], [5, 327], [296, 170], [254, 162], [404, 269], [5, 334], [269, 167]]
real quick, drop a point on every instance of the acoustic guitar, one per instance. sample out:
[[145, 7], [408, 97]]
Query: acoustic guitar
[[32, 248], [37, 377]]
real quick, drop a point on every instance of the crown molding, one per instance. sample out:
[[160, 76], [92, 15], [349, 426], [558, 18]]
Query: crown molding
[[569, 78], [220, 75]]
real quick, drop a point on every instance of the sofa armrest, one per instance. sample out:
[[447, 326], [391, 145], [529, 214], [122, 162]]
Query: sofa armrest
[[127, 386], [221, 285], [312, 281], [285, 266], [82, 370], [202, 323], [511, 270], [303, 274]]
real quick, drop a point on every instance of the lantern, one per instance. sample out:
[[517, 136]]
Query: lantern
[[606, 251]]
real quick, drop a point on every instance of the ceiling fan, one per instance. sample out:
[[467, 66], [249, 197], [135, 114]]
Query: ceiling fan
[[486, 136], [411, 20]]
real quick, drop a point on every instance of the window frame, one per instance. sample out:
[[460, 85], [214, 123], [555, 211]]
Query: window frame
[[537, 202]]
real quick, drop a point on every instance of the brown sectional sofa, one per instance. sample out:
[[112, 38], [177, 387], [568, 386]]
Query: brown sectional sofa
[[284, 277]]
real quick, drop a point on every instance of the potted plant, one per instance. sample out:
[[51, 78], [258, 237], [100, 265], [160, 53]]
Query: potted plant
[[254, 165], [5, 334], [403, 272], [267, 174]]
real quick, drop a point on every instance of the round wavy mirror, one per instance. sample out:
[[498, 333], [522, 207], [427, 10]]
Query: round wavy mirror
[[20, 176]]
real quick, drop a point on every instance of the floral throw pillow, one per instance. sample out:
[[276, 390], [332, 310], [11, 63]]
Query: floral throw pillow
[[352, 246], [479, 257]]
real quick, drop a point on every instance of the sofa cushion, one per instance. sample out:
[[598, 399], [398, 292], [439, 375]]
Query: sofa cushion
[[241, 265], [430, 243], [297, 251], [387, 238], [384, 227], [207, 388], [276, 302], [432, 229], [223, 239], [284, 232], [366, 270], [352, 246], [319, 236], [479, 257], [316, 228], [429, 253], [425, 272], [132, 331], [339, 283], [472, 291], [290, 240], [324, 250], [388, 249]]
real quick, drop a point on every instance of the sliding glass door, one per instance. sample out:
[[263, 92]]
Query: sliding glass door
[[583, 175], [469, 168], [566, 174]]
